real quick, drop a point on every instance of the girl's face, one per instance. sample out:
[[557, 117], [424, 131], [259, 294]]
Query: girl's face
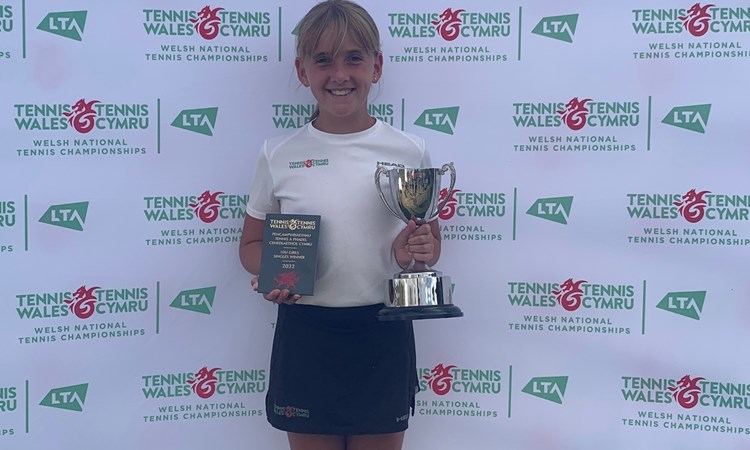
[[340, 83]]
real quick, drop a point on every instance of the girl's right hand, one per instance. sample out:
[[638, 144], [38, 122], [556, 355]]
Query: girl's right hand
[[277, 295]]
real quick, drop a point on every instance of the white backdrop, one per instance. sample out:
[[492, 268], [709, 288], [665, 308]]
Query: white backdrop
[[596, 240]]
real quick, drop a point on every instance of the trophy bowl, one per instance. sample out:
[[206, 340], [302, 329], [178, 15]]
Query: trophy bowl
[[417, 292]]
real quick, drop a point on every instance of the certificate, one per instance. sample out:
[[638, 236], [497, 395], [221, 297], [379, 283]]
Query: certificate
[[290, 250]]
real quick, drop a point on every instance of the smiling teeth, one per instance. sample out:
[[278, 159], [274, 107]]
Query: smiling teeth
[[340, 91]]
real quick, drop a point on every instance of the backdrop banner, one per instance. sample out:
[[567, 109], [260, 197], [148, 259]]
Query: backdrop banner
[[596, 238]]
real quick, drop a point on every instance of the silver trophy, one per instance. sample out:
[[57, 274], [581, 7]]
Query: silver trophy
[[417, 292]]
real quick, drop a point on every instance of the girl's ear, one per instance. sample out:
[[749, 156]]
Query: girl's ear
[[301, 74], [377, 70]]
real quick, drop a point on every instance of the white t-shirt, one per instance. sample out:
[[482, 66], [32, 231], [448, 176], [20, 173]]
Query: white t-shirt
[[333, 175]]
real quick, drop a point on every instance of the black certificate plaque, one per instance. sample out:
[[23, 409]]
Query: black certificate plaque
[[290, 250]]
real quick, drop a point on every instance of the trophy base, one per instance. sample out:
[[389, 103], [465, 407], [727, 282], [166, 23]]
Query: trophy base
[[413, 295], [419, 312]]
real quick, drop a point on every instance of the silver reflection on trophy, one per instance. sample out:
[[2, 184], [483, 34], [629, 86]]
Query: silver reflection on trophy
[[417, 292]]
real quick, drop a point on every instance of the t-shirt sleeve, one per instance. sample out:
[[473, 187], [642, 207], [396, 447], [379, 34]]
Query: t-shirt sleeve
[[262, 199], [426, 160]]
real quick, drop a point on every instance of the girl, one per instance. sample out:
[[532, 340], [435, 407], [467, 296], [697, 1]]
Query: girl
[[339, 378]]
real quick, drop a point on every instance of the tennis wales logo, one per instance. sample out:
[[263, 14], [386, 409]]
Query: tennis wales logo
[[692, 206], [68, 215], [547, 388], [697, 21], [570, 294], [195, 300], [687, 392], [561, 28], [439, 119], [448, 24], [688, 304], [69, 24], [206, 207], [204, 383], [207, 22], [693, 118], [554, 209], [71, 398], [200, 121], [440, 379]]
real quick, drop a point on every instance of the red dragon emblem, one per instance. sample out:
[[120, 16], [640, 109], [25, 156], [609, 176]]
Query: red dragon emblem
[[207, 23], [575, 112], [450, 206], [569, 295], [697, 20], [687, 391], [440, 379], [692, 206], [82, 115], [286, 280], [204, 384], [449, 25], [207, 207], [83, 302]]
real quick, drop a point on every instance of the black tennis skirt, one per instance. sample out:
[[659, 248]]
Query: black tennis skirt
[[340, 371]]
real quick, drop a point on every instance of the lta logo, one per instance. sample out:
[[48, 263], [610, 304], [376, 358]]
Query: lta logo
[[195, 300], [554, 209], [69, 24], [687, 304], [439, 119], [67, 215], [71, 398], [693, 117], [561, 28], [200, 121], [547, 388]]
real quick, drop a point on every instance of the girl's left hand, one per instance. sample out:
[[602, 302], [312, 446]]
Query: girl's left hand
[[414, 242]]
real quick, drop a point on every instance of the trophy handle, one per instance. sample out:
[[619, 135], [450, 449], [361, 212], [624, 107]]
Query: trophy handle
[[445, 168], [378, 173]]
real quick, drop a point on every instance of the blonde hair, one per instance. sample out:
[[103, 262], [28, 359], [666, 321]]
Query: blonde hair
[[338, 17]]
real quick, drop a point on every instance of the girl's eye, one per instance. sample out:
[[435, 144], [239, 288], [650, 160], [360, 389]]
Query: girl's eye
[[355, 58]]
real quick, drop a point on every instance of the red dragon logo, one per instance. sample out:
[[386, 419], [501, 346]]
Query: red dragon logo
[[207, 207], [82, 115], [440, 379], [450, 206], [569, 294], [687, 391], [692, 206], [575, 113], [286, 280], [697, 20], [449, 25], [83, 302], [207, 23], [204, 383]]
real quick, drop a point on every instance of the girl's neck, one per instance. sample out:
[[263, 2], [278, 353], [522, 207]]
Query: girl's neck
[[335, 125]]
